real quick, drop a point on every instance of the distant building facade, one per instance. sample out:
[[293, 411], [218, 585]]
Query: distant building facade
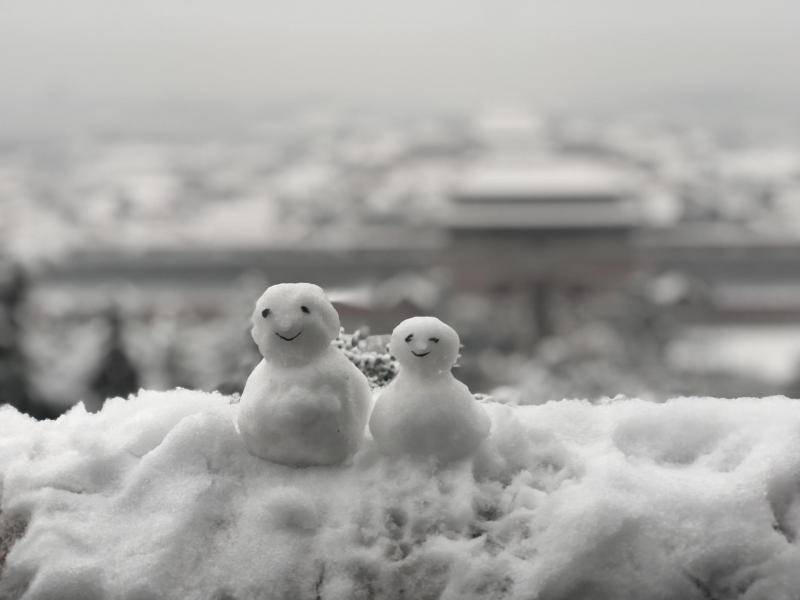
[[569, 221]]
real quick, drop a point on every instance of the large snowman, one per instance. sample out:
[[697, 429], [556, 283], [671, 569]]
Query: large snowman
[[304, 403], [426, 411]]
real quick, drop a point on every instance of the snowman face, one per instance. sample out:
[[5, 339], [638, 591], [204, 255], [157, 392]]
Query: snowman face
[[293, 323], [425, 345]]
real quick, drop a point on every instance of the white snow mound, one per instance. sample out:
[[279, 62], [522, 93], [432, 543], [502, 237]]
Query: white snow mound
[[157, 497]]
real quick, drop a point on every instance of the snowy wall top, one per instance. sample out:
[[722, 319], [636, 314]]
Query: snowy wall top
[[693, 498]]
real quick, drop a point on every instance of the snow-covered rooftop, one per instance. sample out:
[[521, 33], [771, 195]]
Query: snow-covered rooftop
[[544, 194], [765, 164], [544, 180], [768, 352]]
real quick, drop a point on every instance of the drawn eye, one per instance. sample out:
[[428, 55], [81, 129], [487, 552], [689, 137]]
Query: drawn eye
[[305, 309], [409, 337], [265, 313], [435, 340]]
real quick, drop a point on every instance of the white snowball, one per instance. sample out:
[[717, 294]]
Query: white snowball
[[304, 403], [293, 323], [425, 411]]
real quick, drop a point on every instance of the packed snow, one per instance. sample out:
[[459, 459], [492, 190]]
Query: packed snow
[[425, 411], [305, 403], [157, 497]]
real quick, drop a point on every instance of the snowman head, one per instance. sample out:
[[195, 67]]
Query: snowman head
[[293, 323], [425, 346]]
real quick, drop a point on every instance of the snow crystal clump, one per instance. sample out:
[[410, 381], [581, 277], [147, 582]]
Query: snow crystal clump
[[158, 497], [304, 403], [425, 411]]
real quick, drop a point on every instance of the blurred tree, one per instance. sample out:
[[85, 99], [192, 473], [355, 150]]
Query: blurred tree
[[116, 375], [176, 367], [792, 388], [15, 386], [612, 342], [542, 293], [238, 357]]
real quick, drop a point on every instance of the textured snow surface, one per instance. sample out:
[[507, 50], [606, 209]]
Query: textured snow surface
[[156, 497]]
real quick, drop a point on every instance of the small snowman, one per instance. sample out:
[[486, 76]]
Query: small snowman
[[304, 403], [425, 411]]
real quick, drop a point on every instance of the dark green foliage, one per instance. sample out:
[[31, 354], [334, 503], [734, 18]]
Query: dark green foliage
[[370, 354], [15, 387], [116, 375]]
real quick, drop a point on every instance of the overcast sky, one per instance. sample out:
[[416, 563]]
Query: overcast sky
[[60, 59]]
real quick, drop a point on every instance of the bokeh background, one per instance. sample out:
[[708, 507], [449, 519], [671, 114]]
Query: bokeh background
[[603, 198]]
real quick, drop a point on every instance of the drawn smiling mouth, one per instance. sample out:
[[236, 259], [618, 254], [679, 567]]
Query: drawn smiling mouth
[[289, 339], [421, 354]]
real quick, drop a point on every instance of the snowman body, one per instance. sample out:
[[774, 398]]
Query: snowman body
[[305, 415], [428, 418], [425, 411], [305, 403]]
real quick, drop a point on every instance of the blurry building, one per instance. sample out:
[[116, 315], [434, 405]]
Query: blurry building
[[535, 219], [379, 308], [748, 319], [543, 227]]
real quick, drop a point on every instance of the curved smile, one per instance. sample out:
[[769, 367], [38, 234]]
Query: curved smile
[[289, 339], [421, 354]]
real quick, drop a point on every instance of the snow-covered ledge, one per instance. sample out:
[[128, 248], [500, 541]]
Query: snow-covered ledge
[[157, 497]]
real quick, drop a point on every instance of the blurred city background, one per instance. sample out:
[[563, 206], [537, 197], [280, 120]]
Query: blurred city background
[[601, 200]]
